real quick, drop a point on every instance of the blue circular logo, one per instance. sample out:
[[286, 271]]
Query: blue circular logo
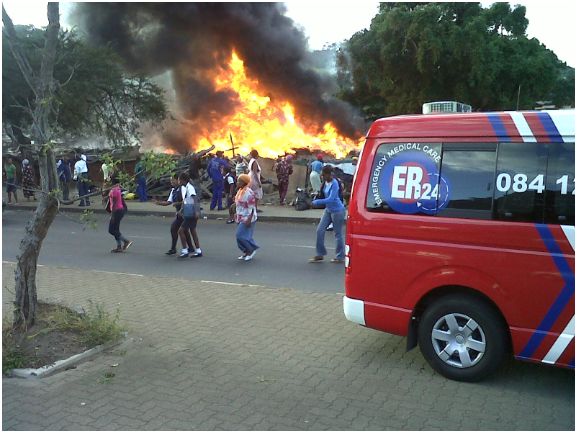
[[411, 183]]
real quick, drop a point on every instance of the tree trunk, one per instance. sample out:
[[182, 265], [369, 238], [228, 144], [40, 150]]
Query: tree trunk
[[37, 228], [25, 273]]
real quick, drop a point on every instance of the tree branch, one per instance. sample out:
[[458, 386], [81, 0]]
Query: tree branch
[[21, 60]]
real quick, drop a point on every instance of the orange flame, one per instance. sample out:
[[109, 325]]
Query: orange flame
[[265, 125]]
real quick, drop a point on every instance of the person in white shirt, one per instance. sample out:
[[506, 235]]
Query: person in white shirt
[[174, 199], [81, 177], [105, 172], [190, 216], [254, 172]]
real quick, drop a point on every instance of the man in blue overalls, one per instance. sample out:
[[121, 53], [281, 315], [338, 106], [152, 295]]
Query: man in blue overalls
[[215, 171]]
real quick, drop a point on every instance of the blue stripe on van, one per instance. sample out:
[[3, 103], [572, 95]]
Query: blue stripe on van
[[550, 127], [562, 299], [498, 127]]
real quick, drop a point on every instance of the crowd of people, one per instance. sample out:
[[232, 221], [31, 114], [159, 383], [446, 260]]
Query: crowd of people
[[237, 181], [242, 180]]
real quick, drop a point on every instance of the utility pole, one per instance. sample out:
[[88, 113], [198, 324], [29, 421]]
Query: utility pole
[[518, 95]]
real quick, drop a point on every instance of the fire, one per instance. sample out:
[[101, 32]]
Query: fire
[[265, 125]]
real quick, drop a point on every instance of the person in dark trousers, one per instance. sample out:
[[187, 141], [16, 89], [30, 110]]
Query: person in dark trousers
[[230, 186], [215, 171], [140, 175], [81, 176], [174, 199], [64, 177], [334, 213], [117, 212], [189, 223], [10, 170]]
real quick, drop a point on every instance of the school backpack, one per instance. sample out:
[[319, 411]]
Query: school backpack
[[303, 200]]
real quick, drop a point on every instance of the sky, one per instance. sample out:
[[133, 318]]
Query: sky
[[553, 22]]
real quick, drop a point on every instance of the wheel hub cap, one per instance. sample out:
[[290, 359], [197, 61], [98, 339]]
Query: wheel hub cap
[[458, 340]]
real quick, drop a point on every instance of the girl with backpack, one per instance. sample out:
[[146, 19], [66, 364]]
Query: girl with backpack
[[190, 216]]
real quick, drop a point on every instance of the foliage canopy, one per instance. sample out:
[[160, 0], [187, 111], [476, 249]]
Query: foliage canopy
[[95, 95], [420, 52]]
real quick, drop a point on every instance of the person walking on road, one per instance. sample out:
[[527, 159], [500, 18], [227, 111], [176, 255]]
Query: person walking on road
[[117, 212], [81, 177], [10, 170], [315, 176], [174, 199], [334, 213], [27, 180], [246, 217], [189, 219]]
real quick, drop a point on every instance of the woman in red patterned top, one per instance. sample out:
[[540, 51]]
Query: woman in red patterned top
[[246, 217], [117, 211]]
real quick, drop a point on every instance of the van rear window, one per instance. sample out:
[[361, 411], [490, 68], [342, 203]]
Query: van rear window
[[526, 182]]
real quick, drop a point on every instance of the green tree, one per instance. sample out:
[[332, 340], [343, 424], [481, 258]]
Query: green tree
[[57, 83], [95, 96], [419, 52]]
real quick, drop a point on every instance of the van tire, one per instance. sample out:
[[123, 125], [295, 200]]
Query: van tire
[[459, 352]]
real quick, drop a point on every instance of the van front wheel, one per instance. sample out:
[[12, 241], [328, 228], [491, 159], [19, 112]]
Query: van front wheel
[[462, 337]]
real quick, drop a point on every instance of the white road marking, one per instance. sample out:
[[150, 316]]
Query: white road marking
[[303, 246], [226, 283], [92, 270], [145, 237], [117, 273]]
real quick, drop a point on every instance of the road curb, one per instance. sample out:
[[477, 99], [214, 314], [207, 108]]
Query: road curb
[[211, 216], [58, 366]]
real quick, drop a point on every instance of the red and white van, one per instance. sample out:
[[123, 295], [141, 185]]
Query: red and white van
[[460, 235]]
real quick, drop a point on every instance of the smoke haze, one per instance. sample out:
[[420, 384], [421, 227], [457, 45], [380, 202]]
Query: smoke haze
[[192, 39]]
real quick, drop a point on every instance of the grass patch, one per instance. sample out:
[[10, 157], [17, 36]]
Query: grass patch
[[96, 326]]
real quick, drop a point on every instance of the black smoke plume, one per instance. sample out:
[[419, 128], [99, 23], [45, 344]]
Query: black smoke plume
[[192, 39]]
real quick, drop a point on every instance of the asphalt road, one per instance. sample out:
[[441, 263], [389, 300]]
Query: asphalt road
[[281, 262]]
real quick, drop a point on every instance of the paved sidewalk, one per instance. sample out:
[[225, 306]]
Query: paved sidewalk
[[211, 356], [271, 213]]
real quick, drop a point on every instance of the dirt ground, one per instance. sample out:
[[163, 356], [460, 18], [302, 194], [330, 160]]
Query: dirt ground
[[42, 344]]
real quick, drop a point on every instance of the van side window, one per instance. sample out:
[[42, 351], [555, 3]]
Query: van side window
[[520, 182], [469, 171], [560, 185]]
